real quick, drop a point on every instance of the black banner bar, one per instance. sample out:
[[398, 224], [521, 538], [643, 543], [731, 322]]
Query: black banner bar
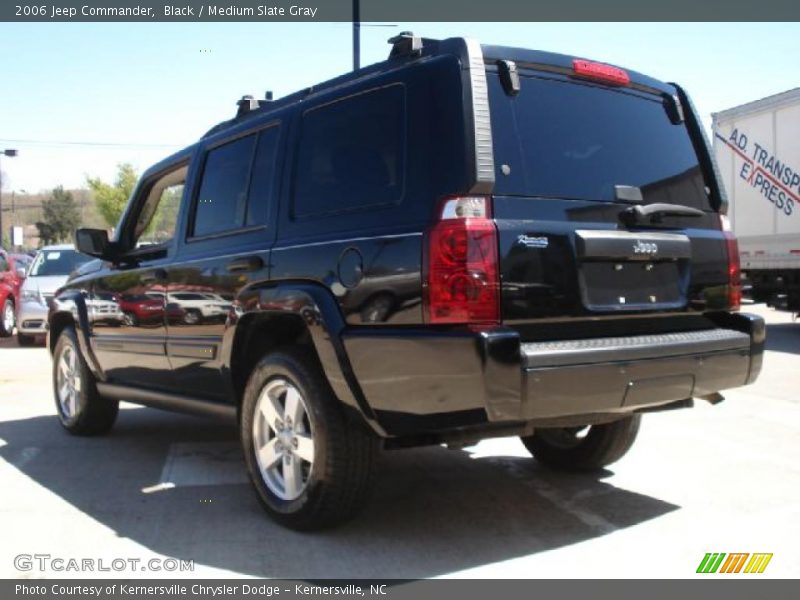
[[731, 588], [399, 10]]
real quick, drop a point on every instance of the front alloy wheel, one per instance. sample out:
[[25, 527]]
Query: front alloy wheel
[[81, 409], [68, 382], [283, 439]]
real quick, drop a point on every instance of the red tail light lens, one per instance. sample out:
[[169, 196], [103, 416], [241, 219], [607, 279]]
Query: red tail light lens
[[734, 266], [462, 279], [600, 72]]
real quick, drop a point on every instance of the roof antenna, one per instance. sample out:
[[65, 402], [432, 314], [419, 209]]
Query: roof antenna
[[267, 99]]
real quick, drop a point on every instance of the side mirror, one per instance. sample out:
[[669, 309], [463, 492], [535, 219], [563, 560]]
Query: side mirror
[[21, 272], [93, 242]]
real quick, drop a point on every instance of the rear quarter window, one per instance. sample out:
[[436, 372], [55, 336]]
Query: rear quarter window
[[563, 139], [221, 203], [351, 154]]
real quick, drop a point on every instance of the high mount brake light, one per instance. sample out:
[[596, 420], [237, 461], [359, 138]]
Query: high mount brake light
[[734, 265], [600, 72], [462, 271]]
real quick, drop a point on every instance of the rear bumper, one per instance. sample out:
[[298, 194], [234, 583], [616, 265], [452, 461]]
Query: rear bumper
[[419, 381]]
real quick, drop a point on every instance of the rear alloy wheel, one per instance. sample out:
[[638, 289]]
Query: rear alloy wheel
[[81, 409], [7, 318], [310, 465], [584, 448], [283, 439]]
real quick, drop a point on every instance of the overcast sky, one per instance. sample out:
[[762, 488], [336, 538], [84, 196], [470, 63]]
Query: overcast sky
[[78, 98]]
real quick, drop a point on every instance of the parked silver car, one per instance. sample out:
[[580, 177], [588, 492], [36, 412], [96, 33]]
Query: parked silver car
[[49, 271]]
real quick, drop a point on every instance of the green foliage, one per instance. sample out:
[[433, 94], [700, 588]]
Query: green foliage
[[161, 227], [112, 198], [60, 217]]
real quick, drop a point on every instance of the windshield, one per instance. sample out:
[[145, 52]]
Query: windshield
[[56, 262], [563, 139]]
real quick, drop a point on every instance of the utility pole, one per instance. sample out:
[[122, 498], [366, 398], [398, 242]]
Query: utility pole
[[10, 152], [356, 35]]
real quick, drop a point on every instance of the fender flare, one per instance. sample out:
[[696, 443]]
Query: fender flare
[[71, 305], [317, 307]]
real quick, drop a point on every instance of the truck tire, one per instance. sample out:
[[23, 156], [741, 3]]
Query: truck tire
[[311, 466], [583, 448], [81, 410]]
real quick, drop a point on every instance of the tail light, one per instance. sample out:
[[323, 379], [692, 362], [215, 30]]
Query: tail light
[[462, 275], [734, 265]]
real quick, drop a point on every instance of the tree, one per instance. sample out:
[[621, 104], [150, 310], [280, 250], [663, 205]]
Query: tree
[[112, 198], [60, 217]]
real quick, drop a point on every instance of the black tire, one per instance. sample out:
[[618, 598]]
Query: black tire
[[129, 319], [575, 449], [337, 482], [8, 305], [91, 413], [25, 340]]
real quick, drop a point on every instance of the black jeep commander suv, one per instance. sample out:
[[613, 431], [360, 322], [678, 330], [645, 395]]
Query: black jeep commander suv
[[460, 242]]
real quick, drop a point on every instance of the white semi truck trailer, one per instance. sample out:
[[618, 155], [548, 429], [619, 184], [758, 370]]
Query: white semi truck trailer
[[757, 146]]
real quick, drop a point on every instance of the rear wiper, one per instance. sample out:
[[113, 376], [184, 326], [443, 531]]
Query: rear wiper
[[655, 212]]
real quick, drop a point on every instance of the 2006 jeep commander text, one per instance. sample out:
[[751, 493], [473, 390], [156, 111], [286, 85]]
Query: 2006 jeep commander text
[[460, 242]]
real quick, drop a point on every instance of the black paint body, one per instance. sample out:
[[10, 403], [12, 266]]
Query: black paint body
[[353, 278]]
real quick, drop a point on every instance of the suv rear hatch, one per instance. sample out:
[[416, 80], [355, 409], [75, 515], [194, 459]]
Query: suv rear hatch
[[605, 201]]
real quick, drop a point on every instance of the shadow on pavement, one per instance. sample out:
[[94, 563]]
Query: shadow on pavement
[[11, 342], [784, 337], [433, 511]]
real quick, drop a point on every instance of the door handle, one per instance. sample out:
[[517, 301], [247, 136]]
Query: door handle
[[247, 263]]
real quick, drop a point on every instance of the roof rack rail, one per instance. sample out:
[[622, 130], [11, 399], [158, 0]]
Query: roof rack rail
[[245, 104], [405, 44]]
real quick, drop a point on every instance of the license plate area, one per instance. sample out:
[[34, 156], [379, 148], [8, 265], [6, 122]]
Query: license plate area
[[634, 285], [629, 271]]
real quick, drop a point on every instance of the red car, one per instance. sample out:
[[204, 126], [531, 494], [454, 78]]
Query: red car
[[142, 310], [12, 272]]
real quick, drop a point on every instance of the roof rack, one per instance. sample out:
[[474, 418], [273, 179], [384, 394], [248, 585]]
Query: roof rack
[[245, 104], [405, 44]]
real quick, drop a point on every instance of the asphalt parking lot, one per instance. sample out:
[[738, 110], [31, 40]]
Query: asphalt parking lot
[[719, 478]]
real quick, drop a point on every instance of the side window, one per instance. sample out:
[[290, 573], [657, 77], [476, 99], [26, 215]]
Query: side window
[[3, 263], [221, 203], [158, 217], [261, 182], [352, 154]]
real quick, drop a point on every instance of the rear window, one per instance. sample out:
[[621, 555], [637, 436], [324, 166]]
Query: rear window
[[568, 140], [57, 262]]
